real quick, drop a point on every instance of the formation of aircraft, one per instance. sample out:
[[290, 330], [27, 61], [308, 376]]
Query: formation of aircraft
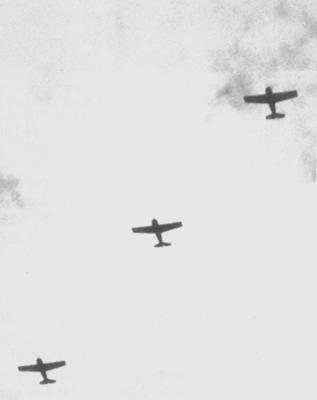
[[155, 228], [43, 368], [158, 229], [271, 98]]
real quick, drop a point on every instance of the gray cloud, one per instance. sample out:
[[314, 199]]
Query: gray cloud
[[252, 59], [239, 80], [297, 54], [9, 191]]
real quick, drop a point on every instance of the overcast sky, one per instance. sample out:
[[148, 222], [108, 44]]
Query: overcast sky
[[114, 113]]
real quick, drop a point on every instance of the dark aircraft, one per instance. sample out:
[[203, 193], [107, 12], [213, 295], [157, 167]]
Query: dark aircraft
[[271, 98], [42, 368], [158, 230]]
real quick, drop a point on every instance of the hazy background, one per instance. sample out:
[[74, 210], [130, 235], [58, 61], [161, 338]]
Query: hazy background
[[114, 113]]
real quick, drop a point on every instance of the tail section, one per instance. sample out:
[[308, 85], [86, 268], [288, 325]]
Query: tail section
[[162, 244], [275, 116], [47, 381]]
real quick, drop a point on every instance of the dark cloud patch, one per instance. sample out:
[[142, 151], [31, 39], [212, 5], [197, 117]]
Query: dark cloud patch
[[9, 191], [234, 90], [236, 65], [297, 55], [291, 57]]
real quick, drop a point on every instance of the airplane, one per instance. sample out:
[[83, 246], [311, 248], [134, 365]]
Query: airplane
[[42, 368], [158, 229], [271, 98]]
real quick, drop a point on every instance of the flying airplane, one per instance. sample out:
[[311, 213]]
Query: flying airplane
[[271, 98], [42, 368], [158, 229]]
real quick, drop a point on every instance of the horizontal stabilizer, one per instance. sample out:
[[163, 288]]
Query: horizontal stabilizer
[[275, 116], [162, 244], [47, 381]]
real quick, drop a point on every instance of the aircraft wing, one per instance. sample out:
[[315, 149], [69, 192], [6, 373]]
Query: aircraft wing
[[261, 98], [31, 368], [168, 227], [57, 364], [144, 229], [284, 95]]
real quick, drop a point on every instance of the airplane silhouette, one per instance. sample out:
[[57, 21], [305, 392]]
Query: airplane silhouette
[[158, 229], [271, 98], [42, 368]]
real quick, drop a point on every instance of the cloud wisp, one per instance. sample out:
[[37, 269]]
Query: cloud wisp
[[9, 191]]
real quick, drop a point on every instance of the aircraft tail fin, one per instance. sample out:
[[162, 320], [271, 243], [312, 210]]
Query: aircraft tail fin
[[47, 381], [162, 244], [275, 116]]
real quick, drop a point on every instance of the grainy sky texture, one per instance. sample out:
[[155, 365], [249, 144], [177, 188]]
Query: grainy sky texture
[[114, 113]]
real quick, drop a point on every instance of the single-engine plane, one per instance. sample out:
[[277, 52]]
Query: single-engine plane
[[43, 368], [158, 229], [271, 98]]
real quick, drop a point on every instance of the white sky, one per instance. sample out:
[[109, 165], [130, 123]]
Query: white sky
[[115, 114]]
